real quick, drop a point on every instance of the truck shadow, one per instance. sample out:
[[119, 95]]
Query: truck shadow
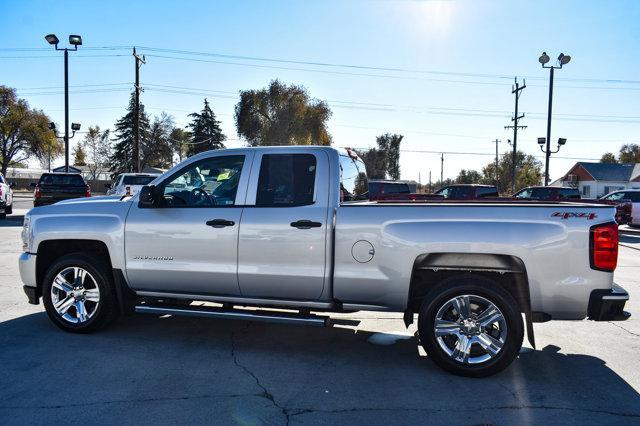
[[12, 220], [146, 368]]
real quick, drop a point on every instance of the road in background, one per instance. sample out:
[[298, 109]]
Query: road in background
[[367, 369]]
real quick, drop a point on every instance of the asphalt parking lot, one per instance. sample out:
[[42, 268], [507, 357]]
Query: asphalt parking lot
[[146, 369]]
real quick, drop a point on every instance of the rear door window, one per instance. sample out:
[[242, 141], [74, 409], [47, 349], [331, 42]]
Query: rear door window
[[569, 194], [633, 196], [484, 191], [286, 180]]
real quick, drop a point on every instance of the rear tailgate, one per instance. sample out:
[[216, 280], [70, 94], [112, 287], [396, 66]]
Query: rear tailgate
[[55, 193]]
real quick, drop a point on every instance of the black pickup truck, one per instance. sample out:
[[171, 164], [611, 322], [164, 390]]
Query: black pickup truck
[[54, 187]]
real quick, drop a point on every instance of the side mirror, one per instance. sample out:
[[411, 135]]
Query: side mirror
[[148, 197], [107, 185], [33, 184]]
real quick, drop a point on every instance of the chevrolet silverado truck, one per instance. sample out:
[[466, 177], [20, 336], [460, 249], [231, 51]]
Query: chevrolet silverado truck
[[280, 234]]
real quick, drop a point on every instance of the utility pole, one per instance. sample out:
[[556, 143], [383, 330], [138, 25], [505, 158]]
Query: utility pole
[[136, 131], [497, 141], [516, 91], [442, 169], [430, 189]]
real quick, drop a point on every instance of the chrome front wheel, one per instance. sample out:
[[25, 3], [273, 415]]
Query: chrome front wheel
[[75, 295]]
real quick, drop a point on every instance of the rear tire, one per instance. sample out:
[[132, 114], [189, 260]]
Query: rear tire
[[79, 294], [477, 341], [9, 209]]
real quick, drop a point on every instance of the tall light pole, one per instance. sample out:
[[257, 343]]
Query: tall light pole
[[544, 60], [75, 41]]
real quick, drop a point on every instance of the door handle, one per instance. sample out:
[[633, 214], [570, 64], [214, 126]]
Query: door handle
[[305, 224], [220, 223]]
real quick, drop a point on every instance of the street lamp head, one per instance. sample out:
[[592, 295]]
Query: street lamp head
[[562, 141], [52, 126], [564, 59], [544, 58], [75, 40], [52, 39], [542, 141], [75, 126]]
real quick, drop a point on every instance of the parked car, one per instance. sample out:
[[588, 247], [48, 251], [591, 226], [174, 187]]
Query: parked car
[[130, 183], [633, 196], [54, 187], [265, 227], [555, 193], [468, 192], [6, 197], [548, 193]]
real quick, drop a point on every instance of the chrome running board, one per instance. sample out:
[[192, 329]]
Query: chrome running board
[[235, 314]]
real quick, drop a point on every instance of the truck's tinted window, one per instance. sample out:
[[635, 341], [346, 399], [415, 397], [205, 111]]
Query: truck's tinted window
[[137, 180], [535, 193], [286, 180], [60, 179], [484, 191], [353, 179], [395, 188], [569, 194], [455, 192], [205, 183], [633, 196]]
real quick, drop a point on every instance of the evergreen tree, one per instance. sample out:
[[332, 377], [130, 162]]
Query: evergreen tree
[[122, 158], [157, 150], [206, 133], [79, 156]]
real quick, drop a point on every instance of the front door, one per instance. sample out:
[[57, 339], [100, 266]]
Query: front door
[[281, 248], [189, 243]]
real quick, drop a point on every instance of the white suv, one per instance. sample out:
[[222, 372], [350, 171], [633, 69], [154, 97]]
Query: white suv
[[130, 183], [6, 197]]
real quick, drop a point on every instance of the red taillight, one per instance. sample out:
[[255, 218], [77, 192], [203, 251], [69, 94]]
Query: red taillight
[[87, 191], [36, 192], [604, 247]]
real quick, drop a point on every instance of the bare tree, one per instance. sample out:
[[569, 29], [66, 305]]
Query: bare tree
[[98, 150]]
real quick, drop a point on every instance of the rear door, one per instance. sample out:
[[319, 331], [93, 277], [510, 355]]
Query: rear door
[[283, 232]]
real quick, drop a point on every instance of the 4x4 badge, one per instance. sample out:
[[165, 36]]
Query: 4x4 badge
[[569, 215]]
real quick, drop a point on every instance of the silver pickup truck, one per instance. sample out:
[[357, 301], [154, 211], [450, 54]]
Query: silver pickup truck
[[285, 233]]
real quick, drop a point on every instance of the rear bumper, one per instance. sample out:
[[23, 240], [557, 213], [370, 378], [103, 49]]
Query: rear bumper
[[608, 305]]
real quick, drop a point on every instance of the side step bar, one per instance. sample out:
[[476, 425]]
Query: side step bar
[[245, 315]]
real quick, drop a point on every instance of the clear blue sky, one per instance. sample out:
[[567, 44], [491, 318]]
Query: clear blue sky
[[462, 56]]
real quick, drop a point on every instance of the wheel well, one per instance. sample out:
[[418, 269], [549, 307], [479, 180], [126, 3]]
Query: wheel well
[[51, 250], [430, 269]]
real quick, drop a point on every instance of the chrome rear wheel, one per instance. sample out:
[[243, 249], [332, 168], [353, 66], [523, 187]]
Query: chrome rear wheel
[[470, 329]]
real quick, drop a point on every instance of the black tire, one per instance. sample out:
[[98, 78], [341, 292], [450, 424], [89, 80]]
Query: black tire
[[3, 215], [486, 289], [9, 209], [105, 311]]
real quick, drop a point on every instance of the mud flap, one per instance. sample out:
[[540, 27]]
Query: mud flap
[[530, 336]]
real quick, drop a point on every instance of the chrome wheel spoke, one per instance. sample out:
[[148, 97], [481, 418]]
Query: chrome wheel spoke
[[462, 306], [62, 284], [489, 316], [489, 343], [446, 328], [81, 311], [63, 305], [78, 276], [92, 295], [463, 349]]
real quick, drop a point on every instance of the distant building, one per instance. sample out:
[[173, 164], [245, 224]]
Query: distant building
[[85, 171], [597, 179]]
